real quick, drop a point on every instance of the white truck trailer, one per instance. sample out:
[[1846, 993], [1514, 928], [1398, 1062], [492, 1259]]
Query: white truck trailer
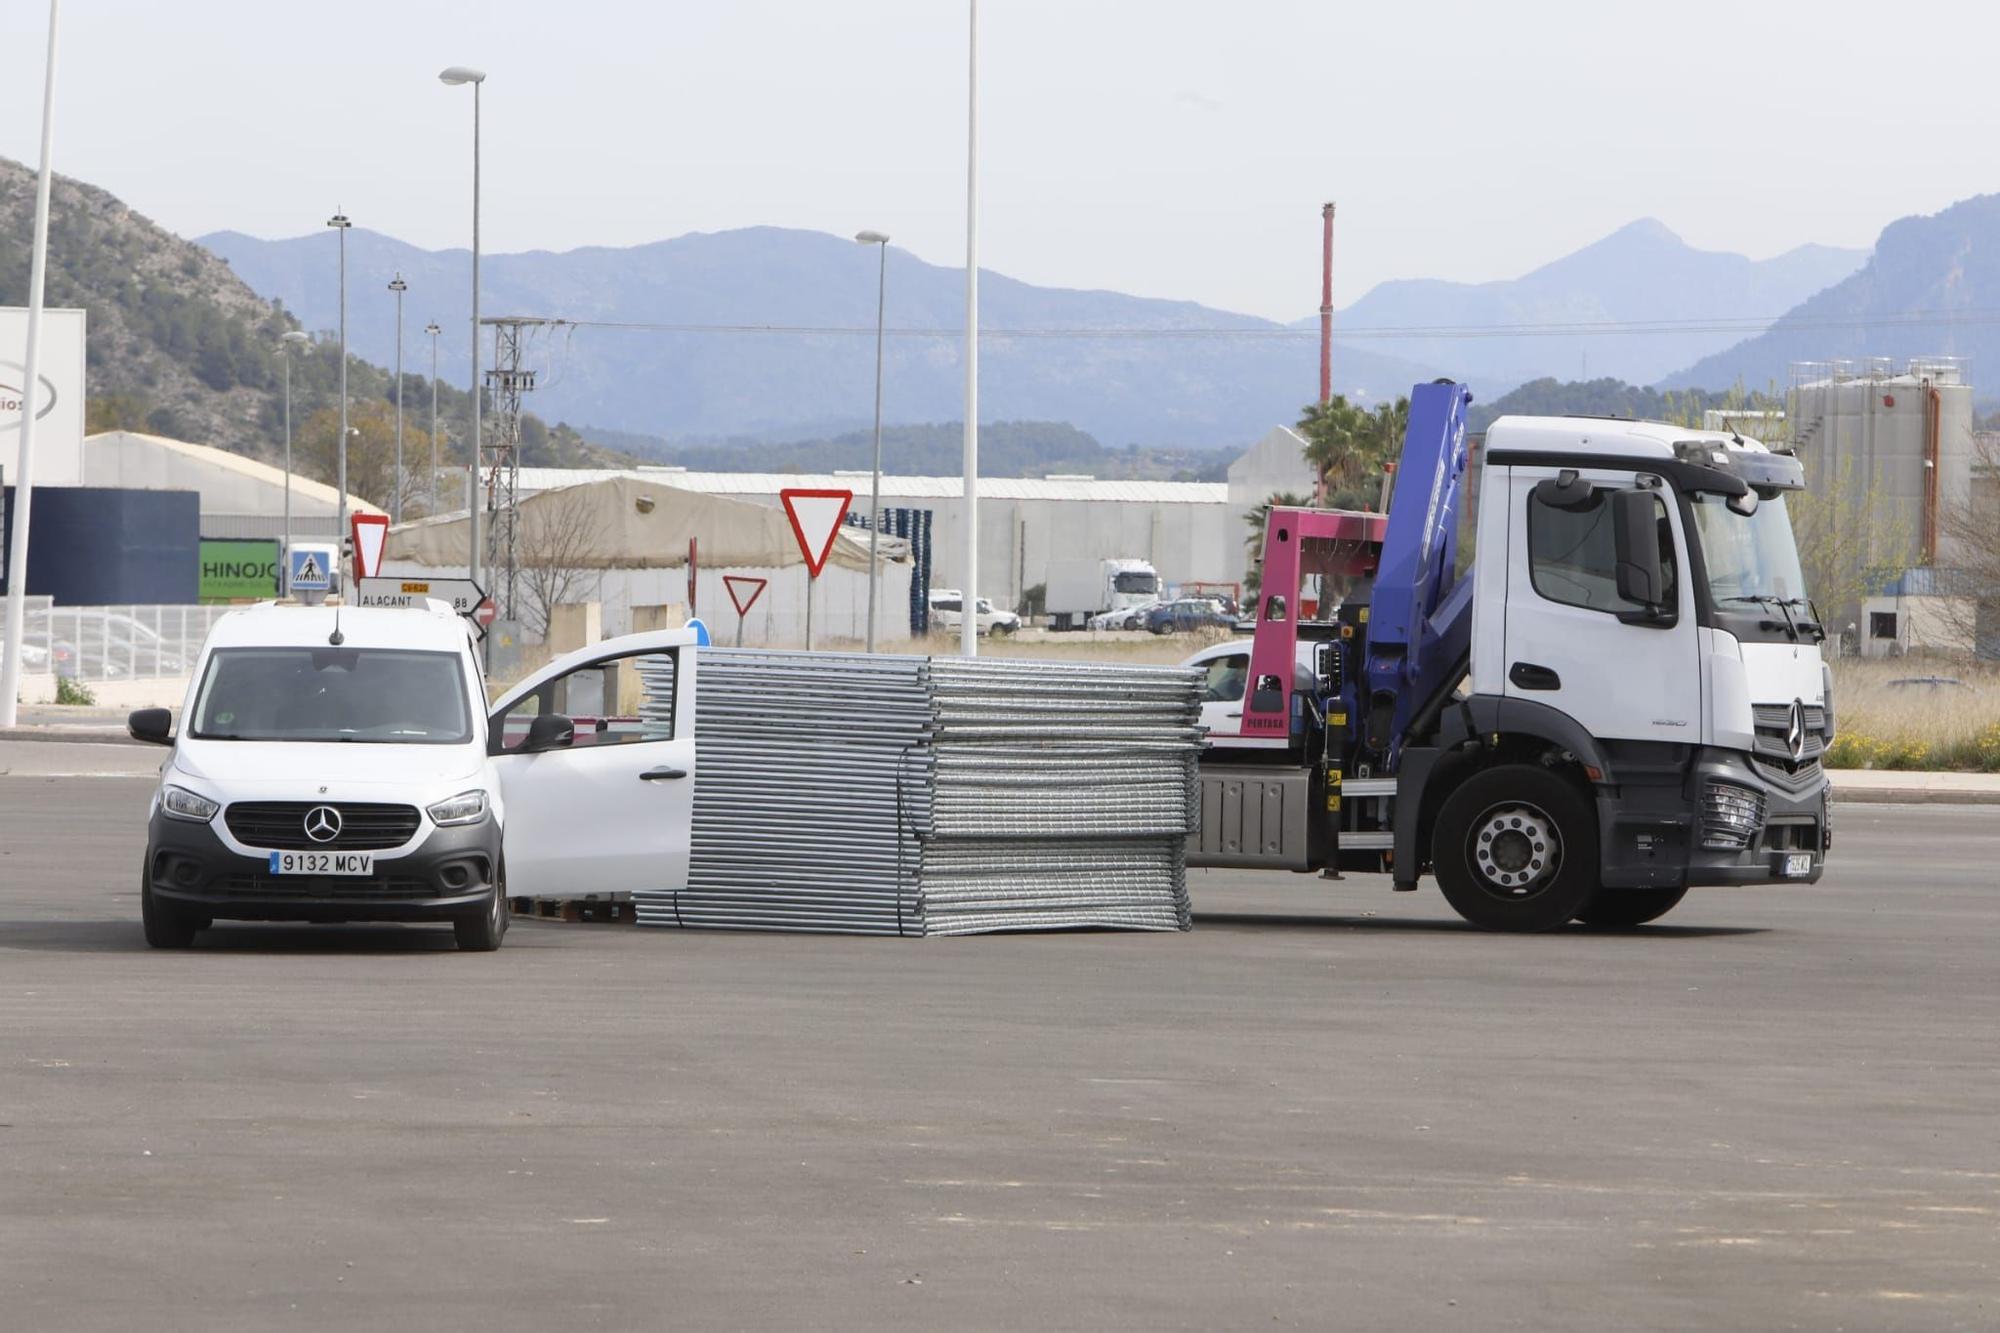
[[1080, 589]]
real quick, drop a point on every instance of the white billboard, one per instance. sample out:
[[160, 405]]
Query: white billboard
[[58, 399]]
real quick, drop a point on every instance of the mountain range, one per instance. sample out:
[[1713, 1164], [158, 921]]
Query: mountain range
[[741, 343], [1930, 288]]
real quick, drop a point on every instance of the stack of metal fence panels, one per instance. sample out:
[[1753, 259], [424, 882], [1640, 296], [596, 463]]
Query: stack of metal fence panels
[[912, 796], [1063, 797]]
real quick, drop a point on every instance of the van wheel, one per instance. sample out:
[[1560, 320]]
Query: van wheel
[[1629, 907], [482, 931], [166, 926], [1515, 848]]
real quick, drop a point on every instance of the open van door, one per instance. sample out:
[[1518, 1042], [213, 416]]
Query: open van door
[[596, 757]]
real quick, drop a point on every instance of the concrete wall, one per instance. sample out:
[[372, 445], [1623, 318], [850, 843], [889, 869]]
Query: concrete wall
[[240, 497]]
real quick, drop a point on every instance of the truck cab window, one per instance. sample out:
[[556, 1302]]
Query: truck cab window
[[1572, 558]]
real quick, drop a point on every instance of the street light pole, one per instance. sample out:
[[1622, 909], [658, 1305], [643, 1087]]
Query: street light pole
[[398, 286], [881, 241], [285, 346], [968, 637], [38, 258], [431, 490], [454, 76], [340, 223]]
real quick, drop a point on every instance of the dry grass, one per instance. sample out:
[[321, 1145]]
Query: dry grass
[[1918, 726]]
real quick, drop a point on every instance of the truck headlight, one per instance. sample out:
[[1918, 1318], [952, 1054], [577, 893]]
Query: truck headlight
[[181, 803], [468, 807], [1730, 816]]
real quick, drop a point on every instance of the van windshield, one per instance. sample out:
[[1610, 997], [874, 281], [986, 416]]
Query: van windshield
[[381, 695]]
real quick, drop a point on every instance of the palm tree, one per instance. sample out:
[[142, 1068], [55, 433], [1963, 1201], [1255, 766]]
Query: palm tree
[[1335, 432]]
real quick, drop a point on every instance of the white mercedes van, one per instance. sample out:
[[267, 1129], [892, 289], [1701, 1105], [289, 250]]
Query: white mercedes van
[[332, 765]]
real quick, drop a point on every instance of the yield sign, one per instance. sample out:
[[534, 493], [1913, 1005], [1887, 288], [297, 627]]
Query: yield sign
[[370, 532], [743, 590], [816, 518]]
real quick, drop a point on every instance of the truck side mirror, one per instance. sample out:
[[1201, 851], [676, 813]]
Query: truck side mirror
[[1636, 542], [548, 731]]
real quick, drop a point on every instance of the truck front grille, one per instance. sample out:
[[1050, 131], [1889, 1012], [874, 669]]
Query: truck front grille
[[281, 825], [1772, 746]]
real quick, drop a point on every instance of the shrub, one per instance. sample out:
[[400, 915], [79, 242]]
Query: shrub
[[73, 692]]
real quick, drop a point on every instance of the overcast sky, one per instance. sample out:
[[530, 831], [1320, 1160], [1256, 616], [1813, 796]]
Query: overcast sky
[[1176, 148]]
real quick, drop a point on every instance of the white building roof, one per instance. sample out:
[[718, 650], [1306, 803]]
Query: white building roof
[[534, 479], [145, 462]]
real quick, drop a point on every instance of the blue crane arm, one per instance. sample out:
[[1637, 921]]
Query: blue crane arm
[[1420, 614]]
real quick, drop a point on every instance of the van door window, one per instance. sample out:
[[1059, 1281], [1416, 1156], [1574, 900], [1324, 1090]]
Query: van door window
[[618, 701]]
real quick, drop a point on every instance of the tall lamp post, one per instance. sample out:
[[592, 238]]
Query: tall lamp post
[[433, 329], [398, 286], [968, 614], [453, 77], [881, 241], [291, 340], [38, 257], [340, 223]]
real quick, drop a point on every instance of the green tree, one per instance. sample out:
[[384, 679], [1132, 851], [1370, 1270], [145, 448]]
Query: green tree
[[371, 452]]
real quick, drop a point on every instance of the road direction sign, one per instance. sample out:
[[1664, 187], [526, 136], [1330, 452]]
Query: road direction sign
[[371, 532], [816, 517], [743, 591], [463, 594]]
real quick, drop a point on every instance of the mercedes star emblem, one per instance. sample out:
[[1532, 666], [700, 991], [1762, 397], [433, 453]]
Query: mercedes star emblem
[[322, 823], [1795, 733]]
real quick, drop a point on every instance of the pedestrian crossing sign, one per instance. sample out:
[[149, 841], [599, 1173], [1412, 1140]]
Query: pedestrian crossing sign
[[311, 568]]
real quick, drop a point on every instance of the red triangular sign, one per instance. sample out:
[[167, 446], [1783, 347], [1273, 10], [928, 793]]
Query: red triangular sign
[[371, 531], [743, 591], [816, 518]]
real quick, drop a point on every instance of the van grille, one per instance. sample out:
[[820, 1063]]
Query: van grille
[[281, 825]]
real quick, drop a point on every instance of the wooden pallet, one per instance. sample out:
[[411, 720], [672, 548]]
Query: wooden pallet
[[603, 909]]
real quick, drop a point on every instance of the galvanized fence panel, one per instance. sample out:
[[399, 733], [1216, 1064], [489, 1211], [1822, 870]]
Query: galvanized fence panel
[[914, 796], [109, 643]]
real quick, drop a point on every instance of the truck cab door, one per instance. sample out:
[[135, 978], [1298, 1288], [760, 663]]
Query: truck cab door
[[1566, 645], [612, 810]]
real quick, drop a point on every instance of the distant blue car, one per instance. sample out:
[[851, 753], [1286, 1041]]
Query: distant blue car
[[1188, 613]]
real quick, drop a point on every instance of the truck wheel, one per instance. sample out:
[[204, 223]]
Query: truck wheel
[[166, 926], [1629, 907], [483, 931], [1515, 848]]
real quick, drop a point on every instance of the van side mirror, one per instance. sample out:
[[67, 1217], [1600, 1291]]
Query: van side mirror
[[548, 731], [155, 726], [1636, 544]]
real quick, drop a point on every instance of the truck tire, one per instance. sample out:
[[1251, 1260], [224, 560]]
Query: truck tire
[[1515, 848], [166, 926], [1629, 907], [482, 931]]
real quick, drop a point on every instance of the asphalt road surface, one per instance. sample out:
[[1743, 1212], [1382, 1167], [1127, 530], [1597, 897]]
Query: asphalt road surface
[[1328, 1105]]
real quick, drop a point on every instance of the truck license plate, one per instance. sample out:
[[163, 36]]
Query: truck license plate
[[1798, 865], [322, 863]]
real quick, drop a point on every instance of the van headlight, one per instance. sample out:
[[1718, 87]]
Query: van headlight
[[468, 807], [184, 804]]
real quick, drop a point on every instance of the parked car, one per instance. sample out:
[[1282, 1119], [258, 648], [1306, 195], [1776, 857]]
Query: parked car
[[1225, 670], [1932, 683], [1188, 613], [1124, 618], [947, 610]]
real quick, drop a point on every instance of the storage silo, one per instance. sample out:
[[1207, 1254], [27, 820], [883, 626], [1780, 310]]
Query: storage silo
[[1901, 434]]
